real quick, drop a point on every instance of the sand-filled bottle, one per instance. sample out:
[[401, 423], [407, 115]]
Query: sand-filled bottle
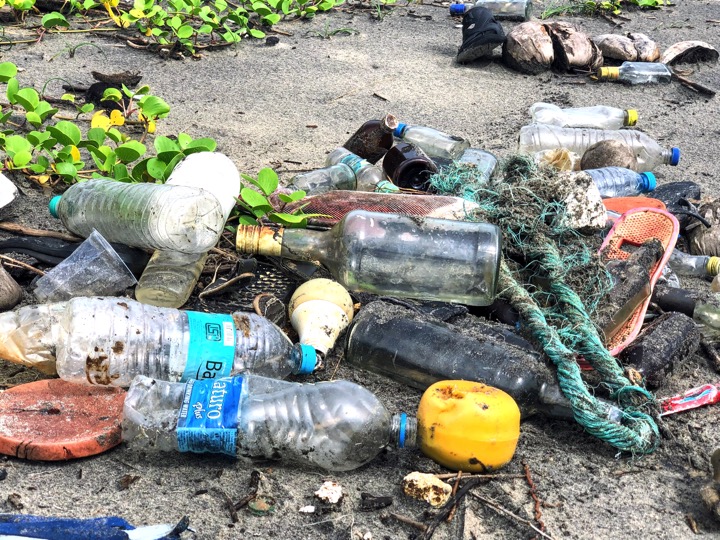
[[430, 258], [433, 142]]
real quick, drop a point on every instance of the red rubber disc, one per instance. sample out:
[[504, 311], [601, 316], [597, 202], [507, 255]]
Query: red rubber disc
[[54, 420]]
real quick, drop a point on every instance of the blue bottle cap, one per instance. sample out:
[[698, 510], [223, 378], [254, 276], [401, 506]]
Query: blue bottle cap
[[400, 128], [649, 181], [401, 431], [457, 9], [53, 204], [675, 157], [308, 359]]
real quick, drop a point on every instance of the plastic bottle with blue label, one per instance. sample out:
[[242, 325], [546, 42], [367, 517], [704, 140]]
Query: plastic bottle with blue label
[[369, 177], [621, 182], [333, 425], [109, 340]]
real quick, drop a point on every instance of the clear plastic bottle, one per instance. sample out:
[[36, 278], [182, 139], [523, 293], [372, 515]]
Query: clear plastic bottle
[[684, 264], [432, 259], [333, 425], [369, 177], [154, 216], [482, 161], [501, 9], [170, 276], [109, 340], [637, 73], [330, 178], [538, 137], [373, 139], [598, 117], [433, 142], [621, 182]]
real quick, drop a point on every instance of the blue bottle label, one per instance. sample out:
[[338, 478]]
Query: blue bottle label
[[208, 417], [354, 162], [212, 346]]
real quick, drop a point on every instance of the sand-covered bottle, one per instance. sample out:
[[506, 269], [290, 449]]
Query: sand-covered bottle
[[598, 116]]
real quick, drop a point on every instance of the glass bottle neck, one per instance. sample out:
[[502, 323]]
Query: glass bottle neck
[[306, 245]]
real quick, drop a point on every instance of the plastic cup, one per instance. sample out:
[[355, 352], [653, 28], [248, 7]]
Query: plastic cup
[[93, 269]]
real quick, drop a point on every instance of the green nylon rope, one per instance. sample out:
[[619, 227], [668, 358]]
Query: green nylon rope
[[555, 315]]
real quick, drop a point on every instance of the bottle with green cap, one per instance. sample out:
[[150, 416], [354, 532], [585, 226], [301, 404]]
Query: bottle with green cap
[[435, 143], [598, 117], [621, 182], [108, 341], [636, 73], [536, 138], [153, 216]]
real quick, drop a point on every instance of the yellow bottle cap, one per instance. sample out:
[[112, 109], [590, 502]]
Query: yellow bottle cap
[[609, 73], [713, 266], [631, 117]]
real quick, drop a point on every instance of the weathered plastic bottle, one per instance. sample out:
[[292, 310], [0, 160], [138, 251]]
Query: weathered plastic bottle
[[538, 137], [433, 142], [333, 425], [482, 161], [110, 340], [637, 73], [154, 216], [684, 264], [501, 9], [369, 177], [598, 117], [330, 178], [170, 276], [420, 353], [621, 182], [373, 139], [433, 259]]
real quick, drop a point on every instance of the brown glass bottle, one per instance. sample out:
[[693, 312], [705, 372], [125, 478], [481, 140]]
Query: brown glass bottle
[[373, 139], [409, 167]]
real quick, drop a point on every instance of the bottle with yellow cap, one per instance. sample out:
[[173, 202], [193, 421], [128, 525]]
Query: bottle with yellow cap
[[599, 116], [685, 264], [637, 73]]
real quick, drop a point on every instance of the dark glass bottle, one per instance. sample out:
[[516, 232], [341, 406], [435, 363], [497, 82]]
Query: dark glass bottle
[[409, 167], [373, 139]]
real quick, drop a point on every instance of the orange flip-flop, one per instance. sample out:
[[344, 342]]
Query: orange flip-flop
[[621, 205], [54, 420], [635, 227]]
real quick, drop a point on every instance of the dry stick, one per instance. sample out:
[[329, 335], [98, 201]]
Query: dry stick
[[500, 509], [693, 85], [470, 475], [229, 504], [454, 491], [29, 231], [21, 264], [445, 511], [402, 519], [709, 349], [533, 494]]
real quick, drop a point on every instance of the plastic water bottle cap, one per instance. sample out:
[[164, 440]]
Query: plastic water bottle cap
[[675, 157], [608, 73], [649, 181], [631, 117], [457, 9], [53, 204], [401, 431], [398, 131], [308, 359]]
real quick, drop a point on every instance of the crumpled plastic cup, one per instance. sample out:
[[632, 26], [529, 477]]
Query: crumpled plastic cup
[[93, 269]]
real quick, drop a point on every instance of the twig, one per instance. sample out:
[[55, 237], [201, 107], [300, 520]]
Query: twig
[[502, 510], [470, 475], [445, 511], [451, 514], [22, 264], [29, 231], [709, 349], [229, 504], [402, 519], [535, 498], [692, 523], [693, 85], [254, 485]]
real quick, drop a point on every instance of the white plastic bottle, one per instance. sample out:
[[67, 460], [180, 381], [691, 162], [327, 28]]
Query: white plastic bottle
[[637, 73], [621, 182], [154, 216], [170, 276], [109, 340], [538, 137], [433, 142], [333, 425], [599, 116], [684, 264], [369, 177]]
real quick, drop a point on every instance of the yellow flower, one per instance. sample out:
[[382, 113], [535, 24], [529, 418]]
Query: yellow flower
[[117, 118], [75, 153], [101, 120]]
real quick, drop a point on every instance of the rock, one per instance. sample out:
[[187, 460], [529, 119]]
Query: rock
[[608, 153], [573, 49], [10, 292], [647, 49], [528, 48], [616, 47]]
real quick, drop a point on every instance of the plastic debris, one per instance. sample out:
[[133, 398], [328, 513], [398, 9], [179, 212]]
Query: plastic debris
[[330, 492], [427, 487]]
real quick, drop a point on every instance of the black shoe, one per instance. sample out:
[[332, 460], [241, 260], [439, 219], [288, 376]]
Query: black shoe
[[481, 34]]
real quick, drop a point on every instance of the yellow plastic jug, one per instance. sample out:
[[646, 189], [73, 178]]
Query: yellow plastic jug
[[468, 426]]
